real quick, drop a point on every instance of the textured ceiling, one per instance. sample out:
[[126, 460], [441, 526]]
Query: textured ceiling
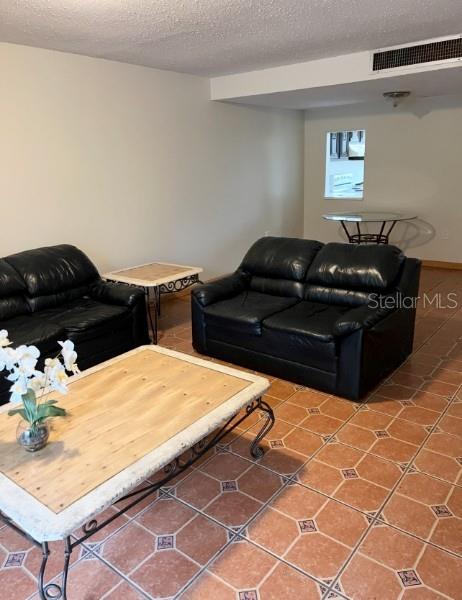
[[214, 37]]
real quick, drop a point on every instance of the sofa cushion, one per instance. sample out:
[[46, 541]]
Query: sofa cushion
[[53, 274], [352, 267], [339, 296], [280, 257], [12, 289], [304, 333], [13, 306], [11, 282], [32, 330], [311, 319], [279, 265], [86, 318], [36, 305], [245, 312]]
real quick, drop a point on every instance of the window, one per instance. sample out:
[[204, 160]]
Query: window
[[345, 151]]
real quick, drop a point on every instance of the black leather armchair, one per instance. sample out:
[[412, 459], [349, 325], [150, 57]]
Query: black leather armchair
[[56, 293], [337, 317]]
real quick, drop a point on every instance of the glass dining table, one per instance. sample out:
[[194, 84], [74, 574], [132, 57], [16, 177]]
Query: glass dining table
[[386, 222]]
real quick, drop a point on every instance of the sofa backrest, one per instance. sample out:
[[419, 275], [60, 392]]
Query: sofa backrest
[[279, 265], [53, 275], [12, 290], [348, 273]]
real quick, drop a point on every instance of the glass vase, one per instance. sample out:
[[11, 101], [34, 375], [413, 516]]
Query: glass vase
[[32, 438]]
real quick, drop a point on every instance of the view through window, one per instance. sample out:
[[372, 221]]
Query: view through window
[[345, 151]]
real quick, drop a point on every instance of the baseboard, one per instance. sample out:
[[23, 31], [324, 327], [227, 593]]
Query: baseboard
[[441, 264]]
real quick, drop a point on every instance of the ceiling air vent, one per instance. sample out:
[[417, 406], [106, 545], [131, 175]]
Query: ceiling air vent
[[437, 51]]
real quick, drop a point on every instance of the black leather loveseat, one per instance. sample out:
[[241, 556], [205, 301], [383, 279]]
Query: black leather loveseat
[[337, 317], [56, 293]]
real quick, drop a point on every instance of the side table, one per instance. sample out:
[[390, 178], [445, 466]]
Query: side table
[[361, 237], [157, 278]]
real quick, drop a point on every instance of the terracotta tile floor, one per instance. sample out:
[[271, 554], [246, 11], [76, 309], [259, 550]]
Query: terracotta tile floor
[[359, 501]]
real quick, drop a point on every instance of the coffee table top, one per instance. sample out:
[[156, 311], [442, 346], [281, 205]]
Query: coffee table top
[[153, 274], [128, 417]]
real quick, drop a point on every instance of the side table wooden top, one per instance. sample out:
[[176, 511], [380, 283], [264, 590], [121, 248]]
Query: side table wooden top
[[153, 274]]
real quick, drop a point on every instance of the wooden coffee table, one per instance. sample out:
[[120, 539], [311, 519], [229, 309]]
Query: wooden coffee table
[[147, 410], [157, 278]]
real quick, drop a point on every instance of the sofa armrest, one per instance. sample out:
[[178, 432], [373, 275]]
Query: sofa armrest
[[408, 284], [363, 317], [221, 289], [116, 293]]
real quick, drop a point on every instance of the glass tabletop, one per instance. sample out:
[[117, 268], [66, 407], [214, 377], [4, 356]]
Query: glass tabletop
[[368, 216]]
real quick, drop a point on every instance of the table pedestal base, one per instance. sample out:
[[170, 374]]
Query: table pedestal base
[[369, 238]]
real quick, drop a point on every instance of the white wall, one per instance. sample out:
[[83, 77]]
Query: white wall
[[413, 164], [134, 164]]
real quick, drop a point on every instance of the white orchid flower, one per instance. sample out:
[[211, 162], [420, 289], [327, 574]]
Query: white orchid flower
[[69, 356], [8, 357], [38, 382], [59, 380], [24, 350], [21, 363], [4, 341], [50, 363], [11, 357], [18, 389], [56, 375], [26, 358], [22, 371], [15, 374], [67, 346], [51, 366]]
